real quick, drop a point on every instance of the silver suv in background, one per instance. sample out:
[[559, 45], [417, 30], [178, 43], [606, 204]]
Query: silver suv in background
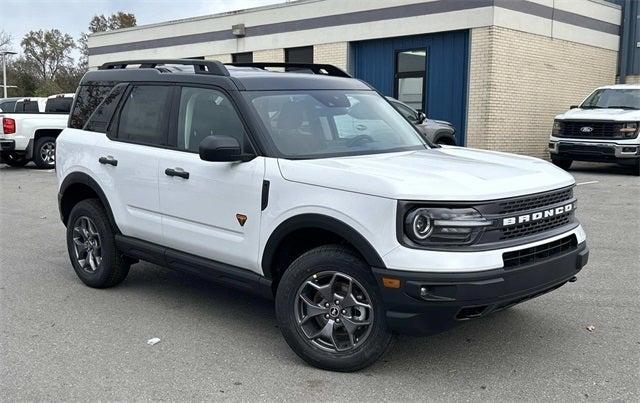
[[435, 131]]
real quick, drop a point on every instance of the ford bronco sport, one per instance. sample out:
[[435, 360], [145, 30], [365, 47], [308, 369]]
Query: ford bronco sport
[[306, 186]]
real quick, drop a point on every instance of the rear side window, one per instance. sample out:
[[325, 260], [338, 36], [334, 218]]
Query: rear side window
[[88, 98], [99, 120], [143, 118], [27, 107], [8, 106], [58, 105]]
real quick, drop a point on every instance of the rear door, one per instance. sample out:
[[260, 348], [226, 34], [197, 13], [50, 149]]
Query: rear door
[[212, 209], [128, 160]]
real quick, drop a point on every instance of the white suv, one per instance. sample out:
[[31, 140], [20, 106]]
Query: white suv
[[241, 175]]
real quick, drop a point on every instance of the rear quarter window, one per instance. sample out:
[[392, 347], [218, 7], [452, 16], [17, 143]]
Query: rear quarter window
[[88, 97]]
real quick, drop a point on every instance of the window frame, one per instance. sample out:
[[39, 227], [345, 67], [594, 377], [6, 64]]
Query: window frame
[[424, 74], [114, 127]]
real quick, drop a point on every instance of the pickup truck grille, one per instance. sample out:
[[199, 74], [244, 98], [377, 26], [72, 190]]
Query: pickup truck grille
[[536, 201], [591, 130]]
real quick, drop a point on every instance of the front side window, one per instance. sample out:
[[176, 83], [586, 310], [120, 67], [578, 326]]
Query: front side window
[[207, 112], [323, 123], [613, 98], [143, 117]]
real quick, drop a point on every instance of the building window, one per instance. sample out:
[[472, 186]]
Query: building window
[[302, 54], [411, 70], [246, 57]]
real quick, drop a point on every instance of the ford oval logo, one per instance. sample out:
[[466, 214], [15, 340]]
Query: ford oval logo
[[586, 129]]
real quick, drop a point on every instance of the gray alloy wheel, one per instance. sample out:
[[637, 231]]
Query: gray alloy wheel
[[48, 153], [87, 244], [334, 311]]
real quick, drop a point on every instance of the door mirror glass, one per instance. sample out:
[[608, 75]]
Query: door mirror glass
[[421, 117], [222, 149]]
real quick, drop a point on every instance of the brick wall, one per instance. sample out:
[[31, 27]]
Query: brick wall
[[519, 81], [271, 55], [221, 58], [332, 53]]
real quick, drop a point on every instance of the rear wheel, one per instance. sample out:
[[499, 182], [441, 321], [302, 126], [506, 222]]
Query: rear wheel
[[562, 163], [330, 310], [92, 248], [44, 152], [14, 159]]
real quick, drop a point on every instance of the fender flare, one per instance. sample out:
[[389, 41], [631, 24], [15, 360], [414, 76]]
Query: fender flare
[[444, 134], [323, 222], [84, 179]]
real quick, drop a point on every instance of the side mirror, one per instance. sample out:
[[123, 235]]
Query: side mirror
[[421, 117], [573, 107], [222, 149]]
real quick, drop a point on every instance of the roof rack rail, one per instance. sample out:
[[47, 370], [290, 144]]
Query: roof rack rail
[[212, 67], [324, 69]]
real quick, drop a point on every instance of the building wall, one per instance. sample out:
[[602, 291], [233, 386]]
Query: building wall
[[270, 55], [221, 58], [332, 53], [519, 81]]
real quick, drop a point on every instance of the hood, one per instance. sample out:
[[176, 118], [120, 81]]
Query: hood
[[623, 115], [447, 173]]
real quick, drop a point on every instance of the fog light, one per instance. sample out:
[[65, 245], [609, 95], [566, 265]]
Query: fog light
[[629, 149]]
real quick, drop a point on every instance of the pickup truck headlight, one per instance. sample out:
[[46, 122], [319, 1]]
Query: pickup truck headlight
[[444, 226], [557, 128], [629, 129]]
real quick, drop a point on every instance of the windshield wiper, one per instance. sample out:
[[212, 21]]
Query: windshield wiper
[[591, 107], [620, 107]]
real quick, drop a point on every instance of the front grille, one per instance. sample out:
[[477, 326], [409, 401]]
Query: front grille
[[539, 253], [535, 201], [535, 227], [599, 130], [569, 148]]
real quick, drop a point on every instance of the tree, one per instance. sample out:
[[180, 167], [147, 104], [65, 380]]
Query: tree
[[47, 52], [5, 40], [100, 23]]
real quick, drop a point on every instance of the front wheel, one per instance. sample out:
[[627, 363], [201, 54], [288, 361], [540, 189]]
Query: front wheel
[[330, 310], [562, 163], [44, 153]]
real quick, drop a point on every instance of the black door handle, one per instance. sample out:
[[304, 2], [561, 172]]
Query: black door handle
[[108, 160], [175, 172]]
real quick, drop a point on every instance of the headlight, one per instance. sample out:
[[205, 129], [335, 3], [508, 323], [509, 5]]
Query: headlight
[[629, 130], [444, 226], [557, 128]]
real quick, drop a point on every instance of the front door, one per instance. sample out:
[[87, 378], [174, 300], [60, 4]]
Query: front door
[[210, 209]]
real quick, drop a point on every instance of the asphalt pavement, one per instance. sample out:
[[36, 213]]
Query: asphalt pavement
[[60, 340]]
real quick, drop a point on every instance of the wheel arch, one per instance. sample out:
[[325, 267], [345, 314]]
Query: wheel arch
[[79, 186], [329, 228], [444, 137], [39, 133]]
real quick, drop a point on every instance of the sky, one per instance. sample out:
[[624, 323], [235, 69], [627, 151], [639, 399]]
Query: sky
[[17, 17]]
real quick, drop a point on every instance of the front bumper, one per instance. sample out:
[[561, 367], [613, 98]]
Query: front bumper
[[428, 303], [594, 151]]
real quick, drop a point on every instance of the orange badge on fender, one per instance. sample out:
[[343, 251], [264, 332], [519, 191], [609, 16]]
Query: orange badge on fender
[[241, 219]]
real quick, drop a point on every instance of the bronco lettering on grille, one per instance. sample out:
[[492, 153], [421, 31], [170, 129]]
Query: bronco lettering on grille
[[538, 215]]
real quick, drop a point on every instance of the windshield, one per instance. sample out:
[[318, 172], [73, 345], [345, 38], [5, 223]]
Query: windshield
[[613, 98], [324, 123]]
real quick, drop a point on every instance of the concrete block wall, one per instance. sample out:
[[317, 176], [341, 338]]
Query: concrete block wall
[[270, 55], [221, 58], [332, 53], [519, 81]]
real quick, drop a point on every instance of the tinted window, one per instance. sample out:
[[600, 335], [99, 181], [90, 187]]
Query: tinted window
[[144, 115], [8, 106], [206, 112], [58, 105], [27, 107], [246, 57], [302, 54], [99, 120], [87, 100]]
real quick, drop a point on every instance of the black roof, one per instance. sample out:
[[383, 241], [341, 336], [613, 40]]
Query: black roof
[[246, 76]]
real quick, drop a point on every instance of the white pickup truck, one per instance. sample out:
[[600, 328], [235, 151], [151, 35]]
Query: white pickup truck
[[29, 133], [604, 128]]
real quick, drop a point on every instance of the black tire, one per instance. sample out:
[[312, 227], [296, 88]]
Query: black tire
[[321, 261], [112, 268], [562, 163], [636, 168], [14, 159], [44, 154]]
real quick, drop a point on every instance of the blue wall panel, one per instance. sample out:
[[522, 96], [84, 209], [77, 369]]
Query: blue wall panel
[[447, 67]]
